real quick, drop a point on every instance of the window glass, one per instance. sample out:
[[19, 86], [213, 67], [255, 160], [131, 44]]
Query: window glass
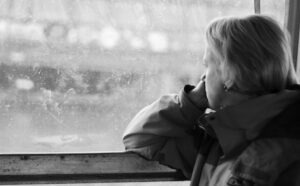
[[74, 73], [275, 9]]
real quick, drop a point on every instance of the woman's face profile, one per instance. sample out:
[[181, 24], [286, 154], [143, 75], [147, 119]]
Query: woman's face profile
[[214, 84]]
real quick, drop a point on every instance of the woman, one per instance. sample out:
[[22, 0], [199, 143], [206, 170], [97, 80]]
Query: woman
[[238, 126]]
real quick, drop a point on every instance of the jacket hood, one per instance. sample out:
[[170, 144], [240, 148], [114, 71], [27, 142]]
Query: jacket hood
[[236, 125]]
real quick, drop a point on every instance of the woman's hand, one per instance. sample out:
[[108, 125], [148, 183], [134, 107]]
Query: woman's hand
[[198, 94]]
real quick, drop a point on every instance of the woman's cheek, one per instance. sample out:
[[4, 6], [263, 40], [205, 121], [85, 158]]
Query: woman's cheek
[[209, 89], [213, 89], [212, 97]]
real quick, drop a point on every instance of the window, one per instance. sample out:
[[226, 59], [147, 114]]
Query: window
[[74, 73]]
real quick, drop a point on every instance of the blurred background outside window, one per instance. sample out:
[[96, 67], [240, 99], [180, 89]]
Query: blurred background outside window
[[73, 73]]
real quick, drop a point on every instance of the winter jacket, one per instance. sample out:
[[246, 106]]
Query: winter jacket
[[256, 142]]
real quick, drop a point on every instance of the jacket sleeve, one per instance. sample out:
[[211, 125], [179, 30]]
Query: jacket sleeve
[[166, 131]]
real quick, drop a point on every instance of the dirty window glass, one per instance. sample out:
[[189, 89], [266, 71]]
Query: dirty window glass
[[74, 72], [275, 9]]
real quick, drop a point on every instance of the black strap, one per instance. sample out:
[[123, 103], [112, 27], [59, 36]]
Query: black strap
[[201, 159]]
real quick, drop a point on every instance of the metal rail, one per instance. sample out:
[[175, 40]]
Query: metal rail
[[292, 23], [257, 6]]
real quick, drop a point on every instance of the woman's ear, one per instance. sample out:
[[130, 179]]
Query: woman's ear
[[228, 84], [227, 76]]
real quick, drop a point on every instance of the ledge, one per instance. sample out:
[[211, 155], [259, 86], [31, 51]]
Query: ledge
[[82, 168]]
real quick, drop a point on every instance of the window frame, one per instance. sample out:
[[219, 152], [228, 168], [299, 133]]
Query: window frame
[[292, 24]]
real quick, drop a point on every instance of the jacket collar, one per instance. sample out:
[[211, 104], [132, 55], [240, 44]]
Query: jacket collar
[[236, 125]]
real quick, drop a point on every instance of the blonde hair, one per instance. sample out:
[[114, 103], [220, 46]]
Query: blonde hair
[[254, 52]]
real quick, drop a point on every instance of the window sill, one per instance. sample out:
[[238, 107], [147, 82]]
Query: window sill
[[82, 168]]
